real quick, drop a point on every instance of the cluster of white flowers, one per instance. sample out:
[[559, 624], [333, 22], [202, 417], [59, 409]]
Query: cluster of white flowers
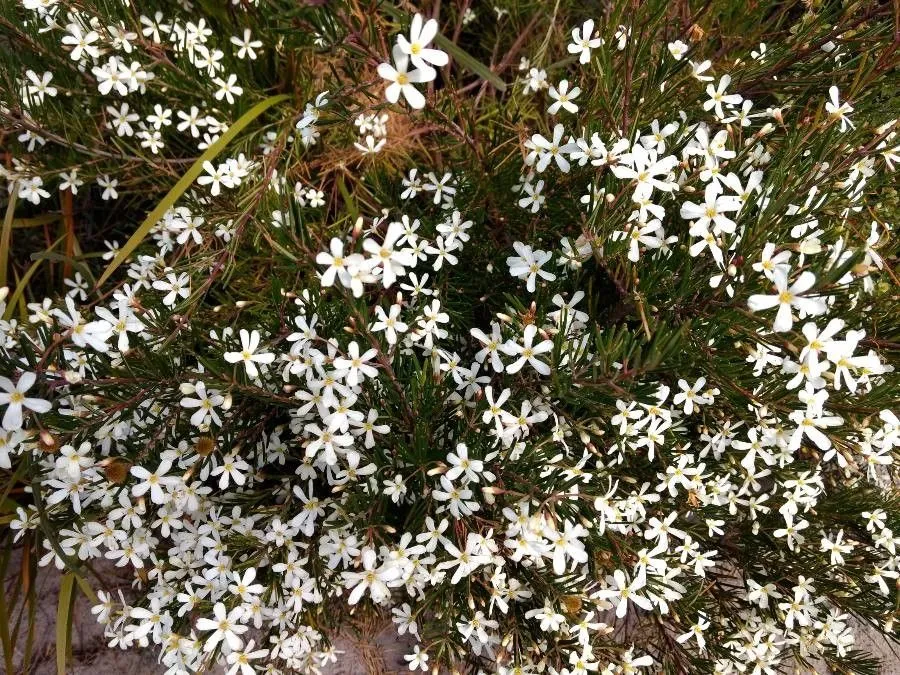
[[506, 473]]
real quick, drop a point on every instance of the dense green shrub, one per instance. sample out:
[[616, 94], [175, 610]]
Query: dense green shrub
[[561, 335]]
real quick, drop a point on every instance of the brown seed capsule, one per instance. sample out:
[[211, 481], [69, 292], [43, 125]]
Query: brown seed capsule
[[572, 603], [205, 446], [116, 470], [695, 34]]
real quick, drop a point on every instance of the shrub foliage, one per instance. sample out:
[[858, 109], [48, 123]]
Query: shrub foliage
[[562, 336]]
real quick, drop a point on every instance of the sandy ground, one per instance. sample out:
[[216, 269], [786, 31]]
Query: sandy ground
[[381, 653]]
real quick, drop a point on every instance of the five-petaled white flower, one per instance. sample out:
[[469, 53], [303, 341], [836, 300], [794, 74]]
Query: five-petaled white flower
[[248, 355], [402, 79], [416, 47], [528, 352], [582, 41], [529, 265], [13, 397], [788, 296], [225, 626]]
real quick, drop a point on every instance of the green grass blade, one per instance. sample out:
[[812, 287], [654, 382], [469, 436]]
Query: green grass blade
[[6, 233], [23, 282], [469, 62], [37, 221], [64, 621], [87, 590], [186, 181]]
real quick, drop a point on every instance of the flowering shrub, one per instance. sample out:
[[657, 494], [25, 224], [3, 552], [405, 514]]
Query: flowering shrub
[[585, 366]]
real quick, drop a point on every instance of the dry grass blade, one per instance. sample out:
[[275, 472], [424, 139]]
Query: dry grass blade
[[64, 621]]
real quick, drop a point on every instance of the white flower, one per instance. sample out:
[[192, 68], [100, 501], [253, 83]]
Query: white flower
[[227, 89], [389, 322], [710, 214], [838, 110], [126, 322], [81, 42], [697, 70], [206, 404], [248, 355], [648, 170], [246, 47], [533, 197], [537, 80], [621, 592], [174, 286], [393, 263], [528, 265], [402, 80], [40, 86], [544, 150], [373, 579], [420, 36], [357, 366], [109, 187], [717, 96], [691, 396], [563, 98], [528, 352], [490, 346], [371, 146], [338, 264], [582, 42], [13, 397], [458, 499], [232, 468], [696, 632], [154, 482], [786, 297], [418, 660], [241, 660], [215, 176], [461, 465], [225, 627], [70, 181], [770, 264], [677, 49]]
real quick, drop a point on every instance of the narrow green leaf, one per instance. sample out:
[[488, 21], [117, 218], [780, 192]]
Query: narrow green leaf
[[23, 282], [349, 201], [86, 589], [186, 181], [64, 621], [469, 62], [37, 221], [6, 232]]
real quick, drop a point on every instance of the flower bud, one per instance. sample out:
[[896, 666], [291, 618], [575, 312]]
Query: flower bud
[[47, 442]]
